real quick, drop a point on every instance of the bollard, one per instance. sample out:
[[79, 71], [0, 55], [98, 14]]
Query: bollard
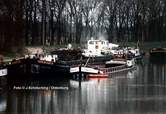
[[1, 60]]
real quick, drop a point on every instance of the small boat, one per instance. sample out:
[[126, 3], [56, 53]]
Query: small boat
[[115, 62], [120, 62]]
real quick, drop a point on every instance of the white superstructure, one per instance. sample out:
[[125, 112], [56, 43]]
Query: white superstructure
[[96, 47]]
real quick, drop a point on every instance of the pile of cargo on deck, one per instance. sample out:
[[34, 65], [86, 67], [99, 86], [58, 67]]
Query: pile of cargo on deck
[[68, 54]]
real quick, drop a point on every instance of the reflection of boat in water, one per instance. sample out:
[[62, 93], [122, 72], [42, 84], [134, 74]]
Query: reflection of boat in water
[[3, 103], [87, 83], [98, 76], [130, 74]]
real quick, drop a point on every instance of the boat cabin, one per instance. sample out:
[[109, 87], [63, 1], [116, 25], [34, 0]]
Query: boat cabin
[[95, 46]]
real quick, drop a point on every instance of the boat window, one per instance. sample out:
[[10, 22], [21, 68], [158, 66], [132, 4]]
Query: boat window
[[91, 42]]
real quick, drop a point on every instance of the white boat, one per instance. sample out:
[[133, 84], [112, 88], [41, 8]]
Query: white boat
[[119, 62], [98, 48]]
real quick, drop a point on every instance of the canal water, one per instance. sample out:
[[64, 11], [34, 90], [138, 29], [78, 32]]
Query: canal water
[[142, 91]]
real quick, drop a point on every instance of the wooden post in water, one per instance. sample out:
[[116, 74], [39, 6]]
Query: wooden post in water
[[80, 76], [1, 60]]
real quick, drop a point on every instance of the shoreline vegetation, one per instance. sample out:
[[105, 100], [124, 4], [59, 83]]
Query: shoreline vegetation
[[146, 46]]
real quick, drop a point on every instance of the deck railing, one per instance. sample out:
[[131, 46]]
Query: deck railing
[[116, 69]]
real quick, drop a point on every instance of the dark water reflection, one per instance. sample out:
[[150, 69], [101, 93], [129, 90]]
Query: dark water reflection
[[140, 92]]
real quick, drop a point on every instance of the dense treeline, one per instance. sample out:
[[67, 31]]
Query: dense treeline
[[51, 22]]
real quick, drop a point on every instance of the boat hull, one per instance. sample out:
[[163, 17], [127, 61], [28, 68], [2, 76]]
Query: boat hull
[[50, 71], [32, 68], [158, 55], [3, 71], [3, 76]]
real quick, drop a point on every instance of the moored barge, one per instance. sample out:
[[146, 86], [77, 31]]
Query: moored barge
[[33, 67], [158, 55], [155, 52], [102, 71]]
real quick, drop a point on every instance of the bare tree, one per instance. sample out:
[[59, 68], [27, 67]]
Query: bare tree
[[39, 22], [12, 33]]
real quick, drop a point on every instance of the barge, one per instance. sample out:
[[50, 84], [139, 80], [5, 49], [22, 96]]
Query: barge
[[102, 71], [23, 68], [157, 55], [157, 52], [102, 48]]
